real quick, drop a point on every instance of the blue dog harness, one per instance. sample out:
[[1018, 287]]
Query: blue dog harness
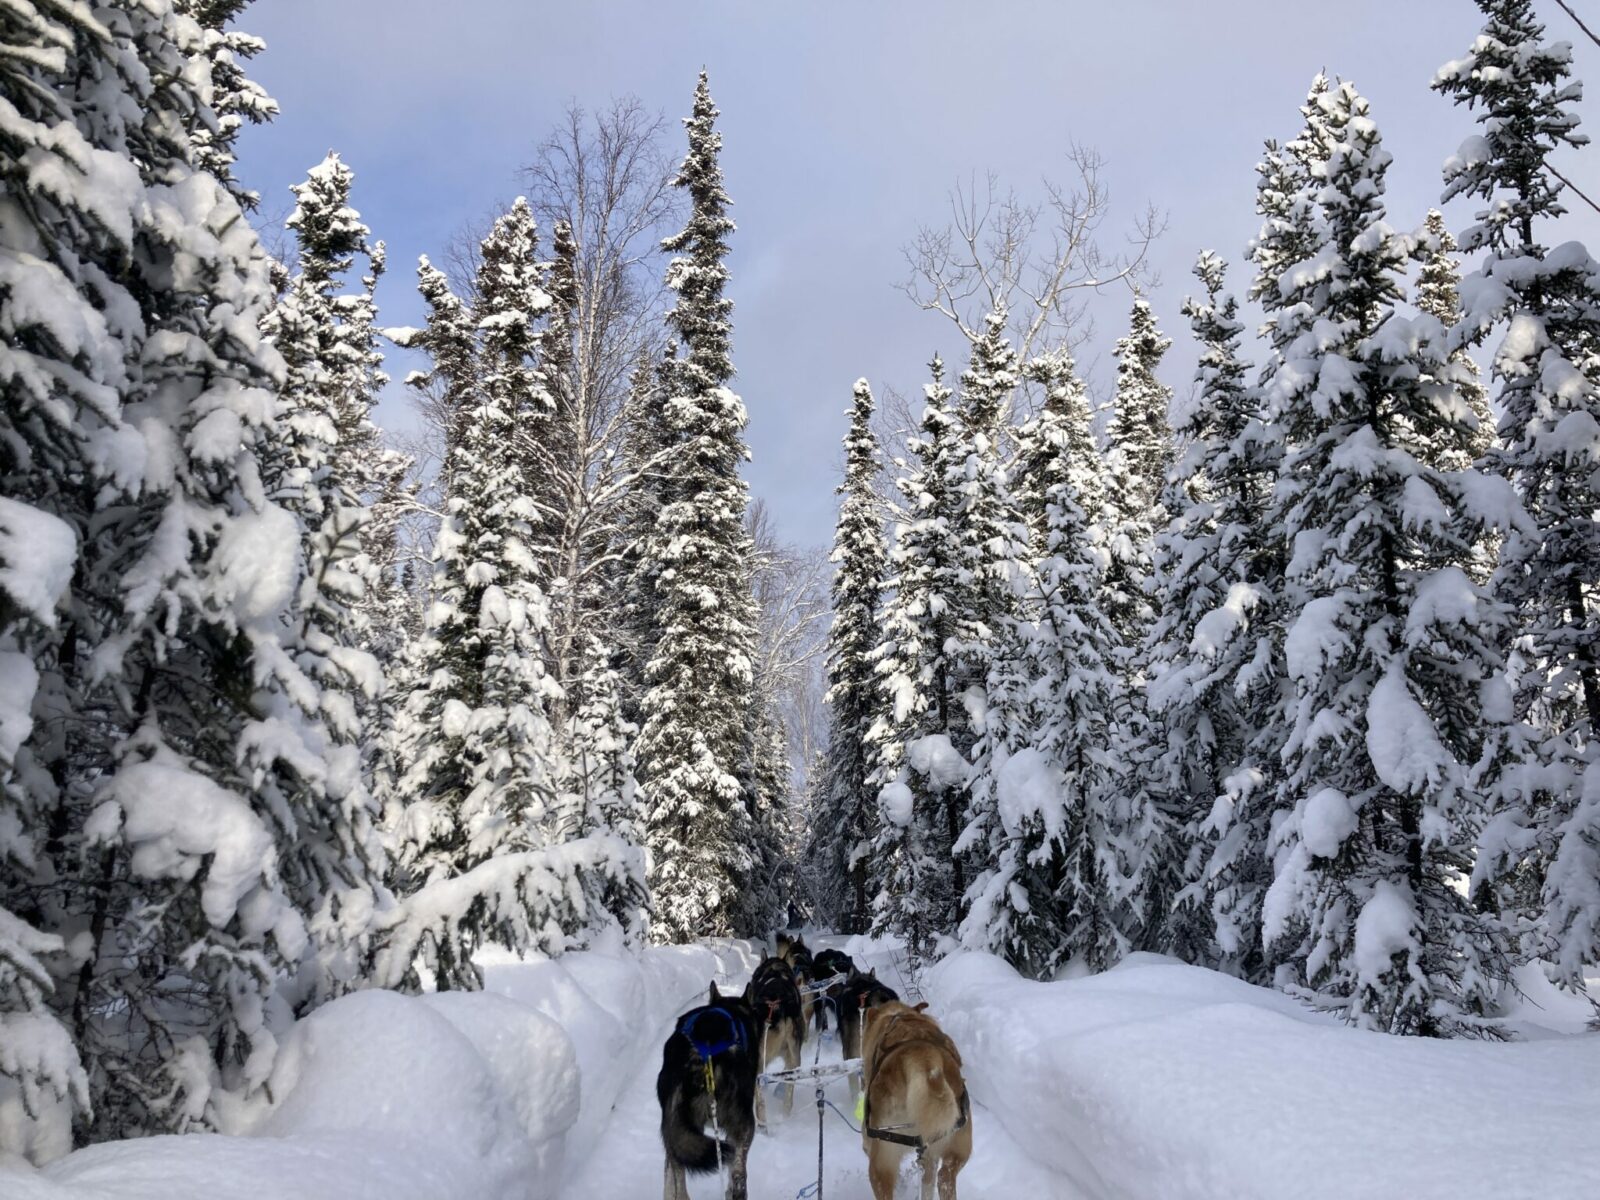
[[707, 1050]]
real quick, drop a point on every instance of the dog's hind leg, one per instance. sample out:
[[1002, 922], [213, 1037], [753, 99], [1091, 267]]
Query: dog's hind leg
[[677, 1187], [791, 1059], [739, 1175], [883, 1172]]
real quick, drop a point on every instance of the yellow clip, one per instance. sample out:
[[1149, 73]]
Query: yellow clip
[[711, 1080]]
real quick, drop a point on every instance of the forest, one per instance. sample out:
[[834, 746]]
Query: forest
[[1289, 671]]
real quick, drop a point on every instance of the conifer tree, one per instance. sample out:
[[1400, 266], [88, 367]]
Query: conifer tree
[[1438, 293], [992, 548], [694, 745], [1386, 632], [915, 764], [601, 792], [178, 704], [1138, 461], [1541, 855], [1050, 826], [1209, 685], [844, 819], [475, 743], [235, 97], [321, 470]]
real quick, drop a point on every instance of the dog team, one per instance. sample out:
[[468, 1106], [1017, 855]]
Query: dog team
[[916, 1100]]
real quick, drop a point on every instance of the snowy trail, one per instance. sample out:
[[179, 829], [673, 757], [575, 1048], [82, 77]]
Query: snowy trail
[[627, 1160]]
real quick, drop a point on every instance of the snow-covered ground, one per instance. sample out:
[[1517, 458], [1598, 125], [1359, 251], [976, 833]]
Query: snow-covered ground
[[1153, 1080]]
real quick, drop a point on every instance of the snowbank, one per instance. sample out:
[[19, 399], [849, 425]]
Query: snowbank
[[1160, 1079], [493, 1095]]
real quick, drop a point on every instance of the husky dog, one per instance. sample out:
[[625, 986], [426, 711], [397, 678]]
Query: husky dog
[[780, 1025], [916, 1100], [722, 1032], [858, 996], [793, 950], [830, 964]]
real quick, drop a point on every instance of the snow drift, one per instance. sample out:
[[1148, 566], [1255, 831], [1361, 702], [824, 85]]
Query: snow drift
[[492, 1095], [1161, 1079]]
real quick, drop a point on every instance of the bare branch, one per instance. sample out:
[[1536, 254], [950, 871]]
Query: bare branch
[[1039, 263], [1578, 21]]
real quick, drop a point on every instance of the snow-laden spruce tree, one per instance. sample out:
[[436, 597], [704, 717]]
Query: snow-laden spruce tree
[[845, 816], [1389, 643], [1051, 823], [1138, 461], [177, 701], [235, 97], [631, 574], [694, 742], [323, 467], [917, 772], [1139, 455], [599, 789], [992, 545], [62, 365], [1209, 688], [1039, 452], [474, 743], [1438, 293], [1546, 833]]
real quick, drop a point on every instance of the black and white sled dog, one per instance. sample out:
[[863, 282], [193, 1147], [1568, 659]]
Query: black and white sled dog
[[793, 950], [834, 965], [723, 1034], [780, 1025], [859, 996]]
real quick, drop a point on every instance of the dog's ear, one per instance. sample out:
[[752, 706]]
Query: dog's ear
[[873, 974], [920, 1007], [715, 995]]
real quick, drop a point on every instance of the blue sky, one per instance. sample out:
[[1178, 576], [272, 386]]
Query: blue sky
[[844, 127]]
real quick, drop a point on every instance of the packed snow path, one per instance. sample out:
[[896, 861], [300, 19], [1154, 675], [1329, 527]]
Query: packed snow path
[[627, 1160], [1154, 1079]]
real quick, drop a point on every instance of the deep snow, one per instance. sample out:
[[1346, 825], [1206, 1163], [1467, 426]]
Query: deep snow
[[1155, 1079]]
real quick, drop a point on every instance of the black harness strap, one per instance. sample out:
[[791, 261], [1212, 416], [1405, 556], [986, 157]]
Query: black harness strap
[[921, 1144]]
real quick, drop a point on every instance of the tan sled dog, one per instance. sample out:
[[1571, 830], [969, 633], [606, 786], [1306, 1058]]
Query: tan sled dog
[[916, 1100]]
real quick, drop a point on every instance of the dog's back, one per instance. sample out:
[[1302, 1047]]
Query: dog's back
[[915, 1090]]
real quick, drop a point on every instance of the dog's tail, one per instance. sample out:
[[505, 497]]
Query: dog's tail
[[687, 1143], [934, 1105]]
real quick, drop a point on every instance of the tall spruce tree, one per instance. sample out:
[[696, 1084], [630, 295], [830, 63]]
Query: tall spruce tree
[[1050, 827], [178, 706], [474, 742], [695, 744], [1540, 857], [915, 765], [1206, 651], [1387, 636], [993, 551], [845, 816], [1139, 460], [321, 470], [1438, 293]]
